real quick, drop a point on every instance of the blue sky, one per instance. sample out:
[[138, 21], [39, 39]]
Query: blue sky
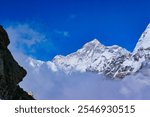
[[65, 25]]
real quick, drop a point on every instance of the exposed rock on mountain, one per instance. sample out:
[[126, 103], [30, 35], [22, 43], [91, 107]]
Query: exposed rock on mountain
[[10, 72]]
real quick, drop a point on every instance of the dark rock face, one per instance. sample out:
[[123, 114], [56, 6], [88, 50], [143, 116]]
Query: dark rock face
[[10, 72]]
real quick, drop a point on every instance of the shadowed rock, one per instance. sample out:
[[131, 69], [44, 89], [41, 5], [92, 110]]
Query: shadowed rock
[[10, 72]]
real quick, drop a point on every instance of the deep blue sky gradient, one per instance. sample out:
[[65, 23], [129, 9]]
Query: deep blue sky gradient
[[119, 22]]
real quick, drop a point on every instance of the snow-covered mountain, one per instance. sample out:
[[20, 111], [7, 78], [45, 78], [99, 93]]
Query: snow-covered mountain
[[112, 61], [140, 56]]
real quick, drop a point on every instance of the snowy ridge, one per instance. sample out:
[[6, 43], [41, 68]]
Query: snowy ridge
[[144, 41], [113, 61]]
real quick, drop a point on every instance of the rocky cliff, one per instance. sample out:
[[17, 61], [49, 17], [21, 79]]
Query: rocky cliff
[[10, 72]]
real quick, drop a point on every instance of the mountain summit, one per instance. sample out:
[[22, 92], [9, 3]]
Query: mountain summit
[[144, 41], [92, 57], [112, 61]]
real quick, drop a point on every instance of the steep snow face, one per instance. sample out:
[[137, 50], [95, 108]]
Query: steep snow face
[[142, 49], [144, 41]]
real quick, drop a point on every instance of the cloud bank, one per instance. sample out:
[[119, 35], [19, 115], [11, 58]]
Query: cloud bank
[[46, 84]]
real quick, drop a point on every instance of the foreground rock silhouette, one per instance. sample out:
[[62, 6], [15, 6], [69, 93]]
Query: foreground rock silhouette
[[10, 73]]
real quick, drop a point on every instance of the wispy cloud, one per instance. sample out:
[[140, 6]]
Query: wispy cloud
[[26, 39], [73, 16], [23, 34], [39, 43], [62, 33]]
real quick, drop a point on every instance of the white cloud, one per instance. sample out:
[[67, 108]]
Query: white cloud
[[46, 84]]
